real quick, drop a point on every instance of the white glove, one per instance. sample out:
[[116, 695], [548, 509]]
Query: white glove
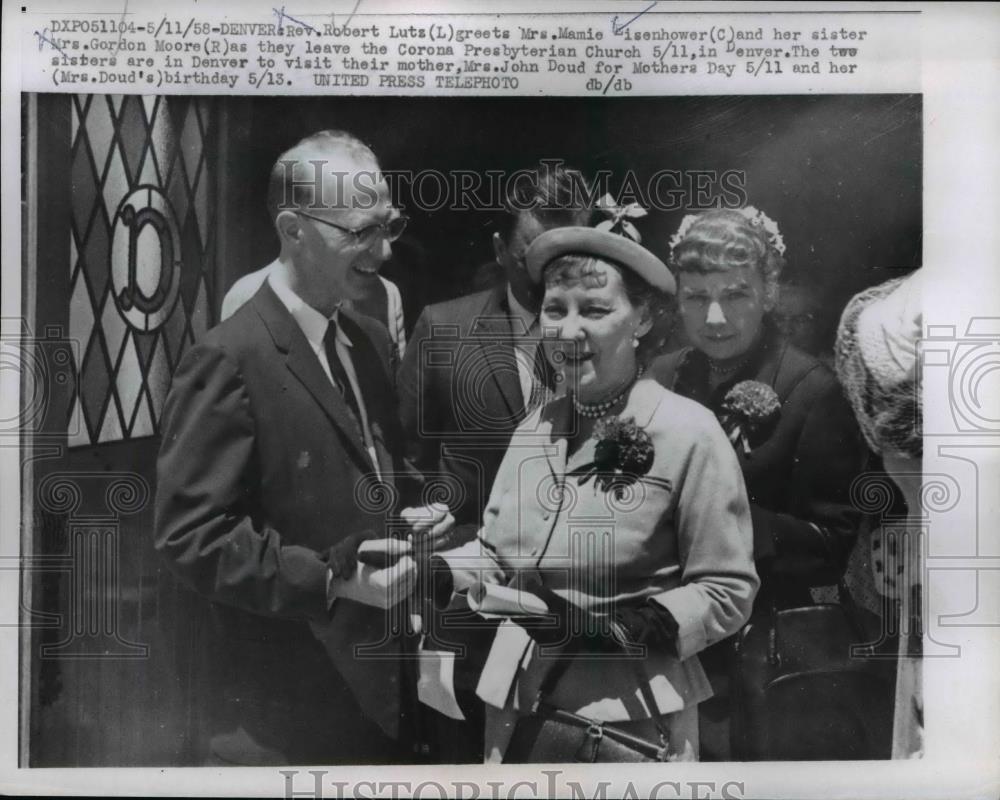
[[381, 588], [430, 525]]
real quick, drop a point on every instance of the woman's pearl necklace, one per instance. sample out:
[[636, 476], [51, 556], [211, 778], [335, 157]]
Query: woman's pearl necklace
[[722, 369], [598, 410]]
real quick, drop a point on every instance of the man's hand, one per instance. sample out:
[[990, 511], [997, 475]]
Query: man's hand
[[381, 588], [431, 526], [383, 553]]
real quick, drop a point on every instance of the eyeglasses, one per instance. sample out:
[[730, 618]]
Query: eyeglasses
[[365, 237]]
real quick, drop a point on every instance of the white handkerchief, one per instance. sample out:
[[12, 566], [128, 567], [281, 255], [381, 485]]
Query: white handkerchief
[[436, 685]]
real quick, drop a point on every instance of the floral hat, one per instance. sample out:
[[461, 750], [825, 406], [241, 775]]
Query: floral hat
[[753, 215], [615, 239]]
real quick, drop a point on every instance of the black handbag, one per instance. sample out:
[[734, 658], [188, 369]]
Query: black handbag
[[555, 736], [804, 689]]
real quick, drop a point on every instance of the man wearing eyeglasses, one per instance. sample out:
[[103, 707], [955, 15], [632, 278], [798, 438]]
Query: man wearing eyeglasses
[[381, 301], [280, 457]]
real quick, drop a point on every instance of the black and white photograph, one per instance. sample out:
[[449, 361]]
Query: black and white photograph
[[734, 232], [358, 430]]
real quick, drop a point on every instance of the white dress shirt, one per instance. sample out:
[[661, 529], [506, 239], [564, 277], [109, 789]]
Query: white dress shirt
[[245, 287], [314, 325]]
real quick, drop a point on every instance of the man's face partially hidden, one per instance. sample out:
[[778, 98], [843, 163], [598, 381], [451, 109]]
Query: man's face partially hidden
[[509, 253]]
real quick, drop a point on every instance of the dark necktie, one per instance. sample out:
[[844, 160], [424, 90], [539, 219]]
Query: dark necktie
[[338, 372]]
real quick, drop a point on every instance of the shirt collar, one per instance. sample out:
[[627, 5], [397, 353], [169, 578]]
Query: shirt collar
[[313, 324], [519, 311]]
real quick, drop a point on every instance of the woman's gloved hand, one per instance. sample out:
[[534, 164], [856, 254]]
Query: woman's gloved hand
[[648, 624], [578, 630]]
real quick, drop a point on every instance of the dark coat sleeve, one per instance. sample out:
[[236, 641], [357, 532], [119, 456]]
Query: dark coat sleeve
[[205, 523], [813, 540]]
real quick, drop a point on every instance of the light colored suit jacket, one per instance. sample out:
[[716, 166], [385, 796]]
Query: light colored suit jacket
[[680, 536]]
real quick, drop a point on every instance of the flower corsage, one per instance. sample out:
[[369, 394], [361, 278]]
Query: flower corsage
[[623, 455], [749, 411]]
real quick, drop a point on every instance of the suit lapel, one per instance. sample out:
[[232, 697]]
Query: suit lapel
[[642, 406], [558, 418], [582, 457], [302, 362], [491, 328], [556, 422]]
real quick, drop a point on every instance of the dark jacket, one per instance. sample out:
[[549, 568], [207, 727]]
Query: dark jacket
[[799, 475], [261, 470], [460, 403], [460, 398]]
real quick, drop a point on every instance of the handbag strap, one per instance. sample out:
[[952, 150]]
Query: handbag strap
[[639, 672], [552, 677]]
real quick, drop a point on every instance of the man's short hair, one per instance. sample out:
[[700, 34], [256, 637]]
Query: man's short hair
[[287, 181], [555, 195]]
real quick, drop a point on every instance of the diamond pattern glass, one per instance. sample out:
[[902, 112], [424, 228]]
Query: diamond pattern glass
[[142, 240]]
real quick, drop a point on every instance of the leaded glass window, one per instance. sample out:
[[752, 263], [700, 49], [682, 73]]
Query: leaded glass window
[[142, 246]]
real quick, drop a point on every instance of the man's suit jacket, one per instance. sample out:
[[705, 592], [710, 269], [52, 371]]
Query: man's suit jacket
[[680, 537], [799, 477], [262, 468], [460, 398], [383, 304]]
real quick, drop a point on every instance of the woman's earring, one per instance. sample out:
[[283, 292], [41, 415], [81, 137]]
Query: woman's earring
[[635, 340]]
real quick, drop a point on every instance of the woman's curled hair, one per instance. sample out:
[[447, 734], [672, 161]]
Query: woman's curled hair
[[723, 239]]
